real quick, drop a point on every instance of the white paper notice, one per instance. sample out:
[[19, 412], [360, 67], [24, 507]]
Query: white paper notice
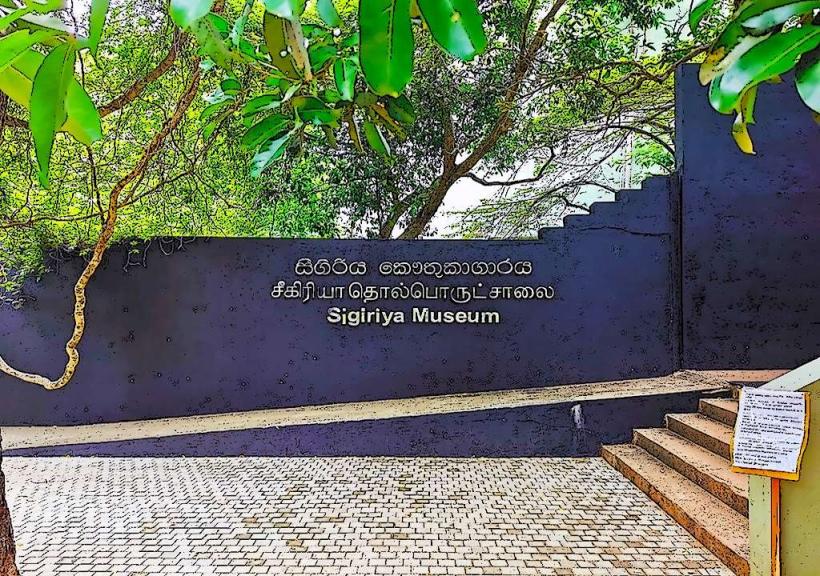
[[770, 428]]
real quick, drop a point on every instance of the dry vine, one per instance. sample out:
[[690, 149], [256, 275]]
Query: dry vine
[[71, 347]]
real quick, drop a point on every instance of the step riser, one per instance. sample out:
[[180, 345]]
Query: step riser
[[717, 413], [736, 563], [714, 445], [705, 481]]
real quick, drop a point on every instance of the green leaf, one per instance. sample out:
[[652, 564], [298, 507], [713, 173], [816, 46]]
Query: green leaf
[[344, 73], [238, 28], [328, 14], [41, 6], [746, 108], [718, 60], [260, 103], [456, 25], [735, 32], [740, 133], [96, 23], [231, 86], [275, 30], [350, 41], [312, 110], [264, 130], [48, 94], [15, 85], [330, 135], [185, 12], [353, 131], [209, 111], [17, 43], [83, 118], [776, 16], [330, 95], [776, 55], [386, 45], [210, 127], [808, 84], [366, 99], [698, 11], [287, 9], [376, 139], [83, 121], [211, 41], [268, 101], [383, 118], [12, 17], [268, 153], [401, 110], [31, 16], [319, 54]]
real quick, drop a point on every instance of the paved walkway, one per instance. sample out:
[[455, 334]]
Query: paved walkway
[[341, 516]]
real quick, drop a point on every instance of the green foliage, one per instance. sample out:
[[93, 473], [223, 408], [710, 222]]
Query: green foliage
[[294, 93], [48, 95], [96, 23], [287, 9], [376, 139], [387, 45], [198, 185], [698, 11], [328, 14], [456, 25], [185, 13], [46, 85], [269, 151], [597, 114], [15, 44], [763, 40], [329, 69], [808, 84]]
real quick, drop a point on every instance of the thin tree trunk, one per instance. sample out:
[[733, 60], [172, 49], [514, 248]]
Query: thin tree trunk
[[7, 565]]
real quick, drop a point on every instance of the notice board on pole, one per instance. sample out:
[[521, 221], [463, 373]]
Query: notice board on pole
[[771, 433]]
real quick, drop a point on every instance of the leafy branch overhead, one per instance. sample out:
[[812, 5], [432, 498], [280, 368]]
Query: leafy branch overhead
[[326, 68], [763, 40], [317, 68], [45, 85]]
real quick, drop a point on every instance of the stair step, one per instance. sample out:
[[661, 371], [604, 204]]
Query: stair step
[[626, 194], [573, 220], [720, 409], [721, 529], [713, 435], [704, 468], [657, 184]]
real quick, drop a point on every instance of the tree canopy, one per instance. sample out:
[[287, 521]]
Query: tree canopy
[[321, 119]]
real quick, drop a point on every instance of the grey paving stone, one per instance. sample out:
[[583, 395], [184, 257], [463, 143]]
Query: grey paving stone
[[347, 516]]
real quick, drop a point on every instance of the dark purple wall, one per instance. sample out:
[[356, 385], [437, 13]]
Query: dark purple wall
[[751, 232], [197, 331], [717, 270], [509, 432]]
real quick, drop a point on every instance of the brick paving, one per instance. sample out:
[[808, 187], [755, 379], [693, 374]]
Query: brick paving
[[141, 516]]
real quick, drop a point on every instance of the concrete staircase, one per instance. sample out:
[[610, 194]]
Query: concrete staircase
[[685, 469]]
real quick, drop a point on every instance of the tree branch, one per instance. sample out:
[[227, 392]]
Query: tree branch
[[527, 54], [138, 87], [638, 130], [7, 549], [448, 147], [4, 108], [100, 247], [535, 178], [522, 68]]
